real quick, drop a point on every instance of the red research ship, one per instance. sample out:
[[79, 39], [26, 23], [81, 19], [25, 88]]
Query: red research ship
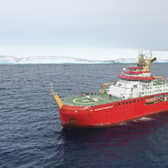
[[136, 94]]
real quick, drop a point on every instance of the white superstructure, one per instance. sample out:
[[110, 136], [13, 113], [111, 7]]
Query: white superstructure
[[132, 89], [138, 81]]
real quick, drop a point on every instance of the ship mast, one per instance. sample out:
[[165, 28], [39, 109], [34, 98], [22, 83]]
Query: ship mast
[[145, 62], [141, 59]]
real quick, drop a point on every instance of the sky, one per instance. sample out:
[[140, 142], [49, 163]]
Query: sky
[[82, 24]]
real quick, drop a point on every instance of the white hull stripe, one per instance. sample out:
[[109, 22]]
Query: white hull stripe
[[103, 108]]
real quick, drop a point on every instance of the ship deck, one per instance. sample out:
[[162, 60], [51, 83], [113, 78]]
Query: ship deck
[[90, 100]]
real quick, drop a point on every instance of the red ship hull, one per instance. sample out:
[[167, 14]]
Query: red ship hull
[[111, 114]]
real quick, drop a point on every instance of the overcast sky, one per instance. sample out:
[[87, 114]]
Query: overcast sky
[[85, 23]]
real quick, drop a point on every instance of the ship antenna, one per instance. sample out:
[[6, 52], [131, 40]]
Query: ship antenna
[[141, 59], [51, 88], [151, 54]]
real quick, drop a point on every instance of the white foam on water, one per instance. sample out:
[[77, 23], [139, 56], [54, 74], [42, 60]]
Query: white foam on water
[[123, 123], [143, 119]]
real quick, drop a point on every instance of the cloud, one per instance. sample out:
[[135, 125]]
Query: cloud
[[84, 12], [118, 23]]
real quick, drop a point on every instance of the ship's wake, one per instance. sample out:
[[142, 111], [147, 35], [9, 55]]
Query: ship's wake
[[142, 119]]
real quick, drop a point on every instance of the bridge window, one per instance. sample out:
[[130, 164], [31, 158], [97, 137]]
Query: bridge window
[[135, 86]]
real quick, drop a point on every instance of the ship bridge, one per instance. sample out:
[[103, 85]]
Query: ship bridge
[[138, 81]]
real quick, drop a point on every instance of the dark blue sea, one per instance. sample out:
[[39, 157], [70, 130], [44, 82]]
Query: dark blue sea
[[31, 135]]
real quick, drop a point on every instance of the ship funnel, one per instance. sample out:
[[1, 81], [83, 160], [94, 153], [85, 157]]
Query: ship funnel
[[154, 59]]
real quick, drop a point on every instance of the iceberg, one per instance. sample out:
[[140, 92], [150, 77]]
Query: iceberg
[[112, 56]]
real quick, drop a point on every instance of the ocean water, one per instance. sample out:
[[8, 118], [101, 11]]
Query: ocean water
[[31, 135]]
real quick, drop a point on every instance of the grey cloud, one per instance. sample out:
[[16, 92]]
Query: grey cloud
[[85, 11]]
